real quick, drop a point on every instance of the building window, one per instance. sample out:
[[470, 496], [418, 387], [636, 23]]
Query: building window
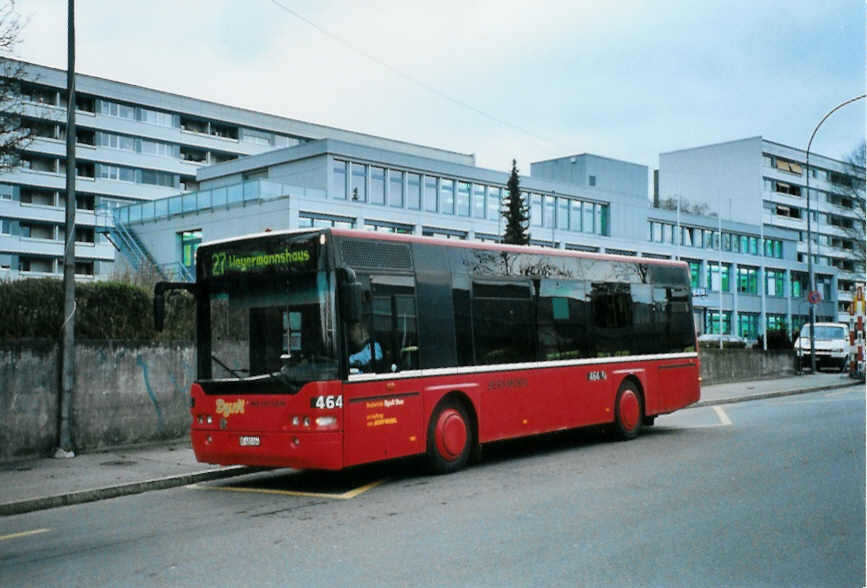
[[562, 213], [800, 284], [713, 325], [359, 182], [395, 188], [748, 325], [156, 117], [447, 196], [257, 137], [548, 211], [377, 185], [315, 219], [339, 182], [494, 201], [787, 166], [694, 273], [443, 233], [717, 279], [462, 203], [775, 322], [430, 194], [190, 241], [536, 218], [575, 215], [789, 189], [413, 191], [773, 248], [748, 280], [591, 180], [774, 280], [388, 227], [478, 201]]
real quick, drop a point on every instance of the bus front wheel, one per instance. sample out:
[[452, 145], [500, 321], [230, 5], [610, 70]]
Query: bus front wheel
[[449, 437], [628, 411]]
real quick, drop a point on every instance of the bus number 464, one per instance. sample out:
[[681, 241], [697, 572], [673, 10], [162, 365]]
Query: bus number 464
[[324, 402]]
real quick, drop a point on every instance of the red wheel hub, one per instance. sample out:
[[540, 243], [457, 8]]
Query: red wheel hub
[[450, 434], [629, 409]]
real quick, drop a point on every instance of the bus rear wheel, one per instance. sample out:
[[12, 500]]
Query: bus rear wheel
[[449, 437], [628, 411]]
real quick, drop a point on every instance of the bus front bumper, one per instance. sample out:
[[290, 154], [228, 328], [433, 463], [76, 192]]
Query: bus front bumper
[[301, 450]]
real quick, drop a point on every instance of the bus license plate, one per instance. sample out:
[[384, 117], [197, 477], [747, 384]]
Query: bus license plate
[[249, 441]]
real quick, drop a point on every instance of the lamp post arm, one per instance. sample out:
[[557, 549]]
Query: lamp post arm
[[809, 231]]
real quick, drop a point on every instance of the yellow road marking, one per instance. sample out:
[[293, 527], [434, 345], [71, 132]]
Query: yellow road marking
[[23, 534], [722, 416], [345, 496]]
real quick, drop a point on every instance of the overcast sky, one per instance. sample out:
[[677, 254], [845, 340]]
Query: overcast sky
[[529, 80]]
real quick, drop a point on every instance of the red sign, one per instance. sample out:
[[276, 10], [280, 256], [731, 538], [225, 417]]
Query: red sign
[[815, 297]]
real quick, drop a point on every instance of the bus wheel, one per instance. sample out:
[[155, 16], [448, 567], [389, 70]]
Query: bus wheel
[[449, 437], [628, 411]]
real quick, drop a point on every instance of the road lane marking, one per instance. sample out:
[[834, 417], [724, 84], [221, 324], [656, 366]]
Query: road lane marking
[[722, 416], [348, 495], [23, 534]]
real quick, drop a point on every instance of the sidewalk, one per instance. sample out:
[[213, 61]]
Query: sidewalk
[[48, 483]]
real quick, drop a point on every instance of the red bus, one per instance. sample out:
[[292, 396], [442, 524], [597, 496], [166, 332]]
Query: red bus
[[327, 348]]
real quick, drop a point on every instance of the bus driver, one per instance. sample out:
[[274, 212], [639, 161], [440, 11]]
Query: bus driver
[[359, 340]]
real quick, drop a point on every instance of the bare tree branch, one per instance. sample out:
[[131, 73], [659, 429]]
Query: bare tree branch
[[14, 137]]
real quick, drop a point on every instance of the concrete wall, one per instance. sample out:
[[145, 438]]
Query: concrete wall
[[734, 365], [125, 394], [29, 379]]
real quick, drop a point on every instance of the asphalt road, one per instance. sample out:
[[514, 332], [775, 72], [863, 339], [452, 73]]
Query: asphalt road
[[767, 492]]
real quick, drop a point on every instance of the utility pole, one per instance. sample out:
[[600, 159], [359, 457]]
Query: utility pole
[[68, 376]]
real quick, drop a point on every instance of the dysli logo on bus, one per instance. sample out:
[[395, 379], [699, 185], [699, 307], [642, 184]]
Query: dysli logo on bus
[[227, 409]]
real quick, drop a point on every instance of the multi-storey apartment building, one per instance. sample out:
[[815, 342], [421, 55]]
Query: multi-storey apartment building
[[754, 181], [133, 144]]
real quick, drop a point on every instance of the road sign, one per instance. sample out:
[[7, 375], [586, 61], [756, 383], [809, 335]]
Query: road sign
[[814, 297]]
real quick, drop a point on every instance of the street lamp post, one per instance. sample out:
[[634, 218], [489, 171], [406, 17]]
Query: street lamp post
[[810, 236]]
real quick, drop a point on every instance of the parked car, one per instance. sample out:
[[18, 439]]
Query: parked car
[[831, 345]]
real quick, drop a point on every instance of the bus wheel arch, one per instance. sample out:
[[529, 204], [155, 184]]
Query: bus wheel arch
[[452, 434], [629, 408]]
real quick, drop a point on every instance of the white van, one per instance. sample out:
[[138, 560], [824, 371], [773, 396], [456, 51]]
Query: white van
[[832, 345]]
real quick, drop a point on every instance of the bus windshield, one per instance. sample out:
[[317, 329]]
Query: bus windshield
[[267, 328]]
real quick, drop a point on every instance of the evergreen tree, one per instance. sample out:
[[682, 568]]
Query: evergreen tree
[[515, 211]]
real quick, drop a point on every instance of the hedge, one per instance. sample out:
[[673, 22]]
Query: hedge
[[33, 308]]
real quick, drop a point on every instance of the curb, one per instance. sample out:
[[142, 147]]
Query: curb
[[82, 496], [763, 395]]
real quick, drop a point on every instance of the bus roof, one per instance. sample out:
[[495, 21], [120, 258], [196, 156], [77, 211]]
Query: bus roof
[[402, 238]]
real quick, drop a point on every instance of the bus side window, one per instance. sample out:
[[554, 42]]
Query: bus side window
[[395, 325], [563, 326], [504, 329]]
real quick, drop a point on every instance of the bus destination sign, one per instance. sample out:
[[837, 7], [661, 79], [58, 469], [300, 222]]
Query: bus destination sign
[[289, 257]]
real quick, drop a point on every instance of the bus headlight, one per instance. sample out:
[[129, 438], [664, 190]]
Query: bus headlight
[[326, 421]]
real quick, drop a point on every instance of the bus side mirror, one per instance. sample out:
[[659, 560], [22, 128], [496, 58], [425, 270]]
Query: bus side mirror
[[351, 296]]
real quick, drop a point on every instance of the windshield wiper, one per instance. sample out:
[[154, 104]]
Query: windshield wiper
[[225, 367]]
